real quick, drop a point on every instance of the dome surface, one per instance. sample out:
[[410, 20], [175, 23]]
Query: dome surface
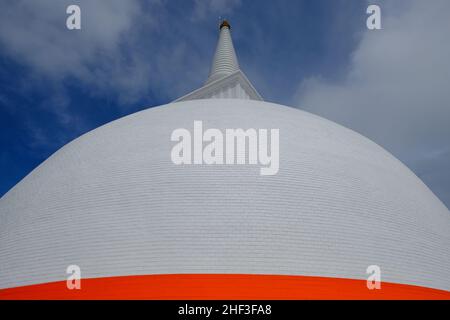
[[113, 203]]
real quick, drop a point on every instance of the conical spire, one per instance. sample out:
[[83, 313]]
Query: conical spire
[[225, 61], [226, 80]]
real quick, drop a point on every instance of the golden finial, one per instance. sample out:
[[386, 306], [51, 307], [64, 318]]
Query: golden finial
[[225, 24]]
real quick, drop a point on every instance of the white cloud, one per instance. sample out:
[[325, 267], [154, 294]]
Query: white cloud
[[34, 33], [396, 90], [124, 48], [125, 51]]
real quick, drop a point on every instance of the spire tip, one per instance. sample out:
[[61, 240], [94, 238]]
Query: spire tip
[[225, 24]]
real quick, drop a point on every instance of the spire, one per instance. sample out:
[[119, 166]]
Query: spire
[[225, 61], [226, 80]]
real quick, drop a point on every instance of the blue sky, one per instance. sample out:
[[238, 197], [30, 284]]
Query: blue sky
[[390, 85]]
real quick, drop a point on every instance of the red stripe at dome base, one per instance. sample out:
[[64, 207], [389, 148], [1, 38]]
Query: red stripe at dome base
[[221, 287]]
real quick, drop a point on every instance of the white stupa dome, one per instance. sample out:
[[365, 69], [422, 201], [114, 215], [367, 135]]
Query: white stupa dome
[[114, 203]]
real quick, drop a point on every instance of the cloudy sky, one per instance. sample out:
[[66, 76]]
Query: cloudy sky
[[391, 85]]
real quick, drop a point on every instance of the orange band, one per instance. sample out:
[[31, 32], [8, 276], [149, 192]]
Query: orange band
[[221, 287]]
